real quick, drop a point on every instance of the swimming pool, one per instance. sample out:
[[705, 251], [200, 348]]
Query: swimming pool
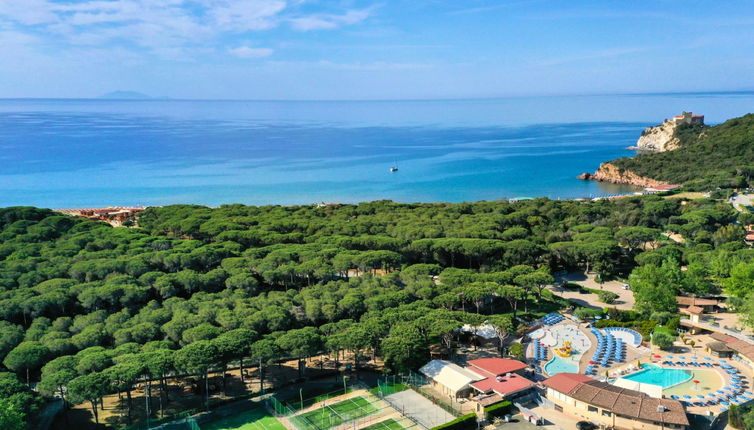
[[561, 365], [657, 375]]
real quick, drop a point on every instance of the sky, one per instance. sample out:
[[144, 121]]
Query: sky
[[372, 49]]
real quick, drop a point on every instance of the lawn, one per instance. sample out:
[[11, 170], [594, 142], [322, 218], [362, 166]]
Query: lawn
[[255, 419], [388, 424], [388, 388], [334, 415]]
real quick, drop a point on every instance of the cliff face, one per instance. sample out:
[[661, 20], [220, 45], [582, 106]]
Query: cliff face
[[610, 173], [659, 138]]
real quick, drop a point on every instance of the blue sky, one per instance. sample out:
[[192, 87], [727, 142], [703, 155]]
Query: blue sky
[[389, 49]]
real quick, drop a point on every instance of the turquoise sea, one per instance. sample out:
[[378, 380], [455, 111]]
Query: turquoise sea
[[85, 153]]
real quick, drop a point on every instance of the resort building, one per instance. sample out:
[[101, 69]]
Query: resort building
[[115, 216], [688, 118], [490, 380], [610, 406], [504, 379], [706, 305], [744, 351], [449, 378], [720, 350]]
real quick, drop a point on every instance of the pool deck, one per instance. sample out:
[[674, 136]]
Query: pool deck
[[632, 354], [643, 354]]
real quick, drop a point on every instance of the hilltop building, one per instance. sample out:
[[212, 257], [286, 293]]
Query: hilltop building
[[688, 118]]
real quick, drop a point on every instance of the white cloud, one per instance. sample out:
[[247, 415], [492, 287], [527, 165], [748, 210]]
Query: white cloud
[[247, 52], [329, 21], [245, 15], [169, 28]]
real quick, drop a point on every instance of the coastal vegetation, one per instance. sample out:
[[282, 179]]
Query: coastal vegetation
[[721, 156], [88, 310]]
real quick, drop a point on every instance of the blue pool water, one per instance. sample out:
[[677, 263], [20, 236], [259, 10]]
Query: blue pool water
[[660, 376], [560, 365]]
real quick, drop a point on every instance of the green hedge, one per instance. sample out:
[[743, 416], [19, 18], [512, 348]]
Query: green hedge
[[497, 410], [464, 422]]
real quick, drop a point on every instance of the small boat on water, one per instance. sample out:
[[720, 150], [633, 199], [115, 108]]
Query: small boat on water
[[394, 168]]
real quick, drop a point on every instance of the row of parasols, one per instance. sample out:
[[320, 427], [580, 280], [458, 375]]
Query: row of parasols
[[540, 351], [608, 346], [552, 318]]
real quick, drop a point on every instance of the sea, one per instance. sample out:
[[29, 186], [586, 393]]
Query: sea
[[77, 153]]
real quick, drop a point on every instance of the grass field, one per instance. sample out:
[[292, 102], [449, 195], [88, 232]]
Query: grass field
[[255, 419], [388, 424], [334, 415]]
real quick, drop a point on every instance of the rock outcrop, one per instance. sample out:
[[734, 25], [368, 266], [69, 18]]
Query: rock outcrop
[[659, 138], [610, 173]]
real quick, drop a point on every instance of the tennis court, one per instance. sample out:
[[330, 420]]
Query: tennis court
[[254, 419], [388, 424], [335, 414]]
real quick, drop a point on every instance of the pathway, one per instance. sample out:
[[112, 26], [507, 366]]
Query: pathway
[[624, 301]]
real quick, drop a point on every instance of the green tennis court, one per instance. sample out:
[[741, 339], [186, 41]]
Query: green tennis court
[[335, 414], [254, 419], [388, 424]]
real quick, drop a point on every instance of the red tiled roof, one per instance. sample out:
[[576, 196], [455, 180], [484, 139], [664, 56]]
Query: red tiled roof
[[496, 366], [693, 310], [565, 382], [741, 347], [619, 400], [506, 385], [694, 301]]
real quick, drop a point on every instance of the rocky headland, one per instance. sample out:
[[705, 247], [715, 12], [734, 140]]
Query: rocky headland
[[608, 172], [659, 138]]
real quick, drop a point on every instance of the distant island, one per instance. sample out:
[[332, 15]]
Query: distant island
[[685, 151], [126, 95]]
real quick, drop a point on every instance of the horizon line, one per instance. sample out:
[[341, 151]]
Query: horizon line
[[171, 99]]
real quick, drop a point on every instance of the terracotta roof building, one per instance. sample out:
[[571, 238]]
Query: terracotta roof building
[[496, 366], [612, 406], [489, 379], [504, 386], [744, 349], [720, 349]]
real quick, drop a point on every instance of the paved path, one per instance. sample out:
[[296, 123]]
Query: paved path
[[419, 408], [625, 300], [740, 201]]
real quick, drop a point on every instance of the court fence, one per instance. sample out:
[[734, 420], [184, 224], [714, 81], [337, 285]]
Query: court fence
[[366, 410]]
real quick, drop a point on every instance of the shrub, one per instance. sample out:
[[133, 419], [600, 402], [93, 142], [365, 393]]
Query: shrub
[[662, 340], [607, 296], [584, 313], [516, 350], [497, 410], [464, 422]]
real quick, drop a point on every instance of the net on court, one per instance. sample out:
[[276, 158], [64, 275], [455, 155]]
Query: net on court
[[253, 419], [333, 415], [388, 424]]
